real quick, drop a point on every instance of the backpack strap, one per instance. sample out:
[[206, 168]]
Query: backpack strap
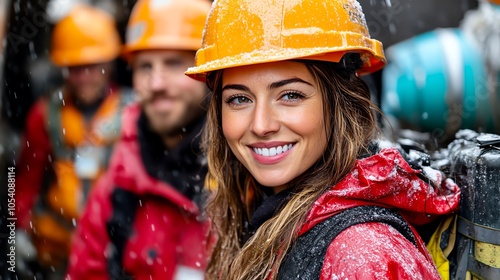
[[120, 228], [54, 127], [304, 260]]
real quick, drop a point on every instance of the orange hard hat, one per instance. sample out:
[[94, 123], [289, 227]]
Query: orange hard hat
[[87, 35], [244, 32], [167, 24], [497, 2]]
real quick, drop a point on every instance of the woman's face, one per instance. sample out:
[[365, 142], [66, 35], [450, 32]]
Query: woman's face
[[273, 120]]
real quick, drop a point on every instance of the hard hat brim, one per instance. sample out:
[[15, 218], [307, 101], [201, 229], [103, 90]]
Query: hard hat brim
[[373, 58]]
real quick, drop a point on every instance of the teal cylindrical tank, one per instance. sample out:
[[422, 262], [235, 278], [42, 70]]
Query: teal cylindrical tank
[[438, 82]]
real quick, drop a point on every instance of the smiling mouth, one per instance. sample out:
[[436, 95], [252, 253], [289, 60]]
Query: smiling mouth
[[269, 152]]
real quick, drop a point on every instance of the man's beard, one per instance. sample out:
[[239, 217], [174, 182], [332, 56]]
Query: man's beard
[[177, 127]]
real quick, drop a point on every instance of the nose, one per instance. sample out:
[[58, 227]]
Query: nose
[[265, 120], [157, 80]]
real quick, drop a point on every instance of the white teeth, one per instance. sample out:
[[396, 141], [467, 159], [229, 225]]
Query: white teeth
[[279, 150], [269, 152]]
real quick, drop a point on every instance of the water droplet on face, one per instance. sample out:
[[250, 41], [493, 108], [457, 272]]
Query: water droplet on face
[[103, 71]]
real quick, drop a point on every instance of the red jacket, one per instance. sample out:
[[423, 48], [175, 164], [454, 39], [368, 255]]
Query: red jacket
[[375, 250], [64, 151], [168, 233], [37, 156]]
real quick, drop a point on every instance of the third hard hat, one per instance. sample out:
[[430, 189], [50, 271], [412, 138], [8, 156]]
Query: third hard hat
[[87, 35]]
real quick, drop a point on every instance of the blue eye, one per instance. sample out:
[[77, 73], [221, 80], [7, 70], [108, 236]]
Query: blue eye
[[292, 96], [238, 100]]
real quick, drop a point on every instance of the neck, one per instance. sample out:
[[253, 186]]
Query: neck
[[89, 109], [171, 141]]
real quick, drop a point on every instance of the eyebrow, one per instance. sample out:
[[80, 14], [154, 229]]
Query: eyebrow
[[271, 86], [236, 87], [286, 82]]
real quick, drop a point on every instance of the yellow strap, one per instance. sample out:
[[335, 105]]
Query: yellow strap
[[439, 256]]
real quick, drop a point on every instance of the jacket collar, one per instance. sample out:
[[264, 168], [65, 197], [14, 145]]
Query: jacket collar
[[130, 172], [181, 167]]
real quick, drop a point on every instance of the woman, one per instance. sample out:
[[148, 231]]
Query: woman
[[290, 142]]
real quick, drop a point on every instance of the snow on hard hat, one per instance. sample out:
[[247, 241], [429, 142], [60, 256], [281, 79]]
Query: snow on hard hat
[[244, 32]]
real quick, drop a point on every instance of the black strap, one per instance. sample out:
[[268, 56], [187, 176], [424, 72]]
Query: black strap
[[119, 228], [305, 258]]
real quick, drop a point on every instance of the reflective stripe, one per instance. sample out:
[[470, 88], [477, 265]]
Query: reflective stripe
[[481, 270], [188, 273], [478, 232]]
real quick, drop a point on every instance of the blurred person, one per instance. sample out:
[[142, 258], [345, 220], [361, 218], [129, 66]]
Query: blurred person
[[144, 217], [303, 189], [67, 141]]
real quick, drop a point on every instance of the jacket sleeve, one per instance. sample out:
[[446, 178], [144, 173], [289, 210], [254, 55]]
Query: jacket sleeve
[[90, 241], [375, 251], [195, 232], [33, 163]]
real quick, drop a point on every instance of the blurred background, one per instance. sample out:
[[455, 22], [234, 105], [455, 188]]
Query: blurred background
[[27, 72]]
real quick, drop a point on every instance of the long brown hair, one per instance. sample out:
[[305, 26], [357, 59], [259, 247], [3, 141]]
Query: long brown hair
[[350, 126]]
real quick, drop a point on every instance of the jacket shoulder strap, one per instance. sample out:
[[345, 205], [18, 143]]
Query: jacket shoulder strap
[[304, 260]]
